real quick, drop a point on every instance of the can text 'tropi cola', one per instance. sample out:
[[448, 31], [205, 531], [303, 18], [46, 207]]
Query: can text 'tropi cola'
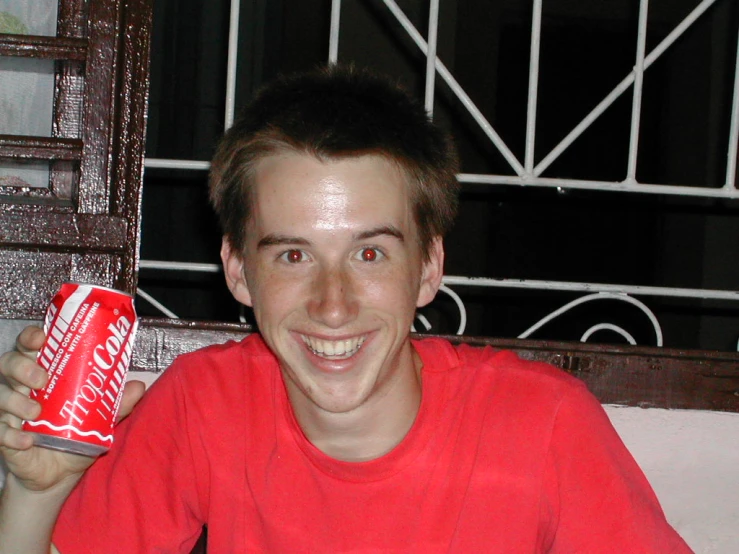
[[89, 340]]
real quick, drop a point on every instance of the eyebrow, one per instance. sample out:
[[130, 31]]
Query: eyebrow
[[274, 239], [388, 230]]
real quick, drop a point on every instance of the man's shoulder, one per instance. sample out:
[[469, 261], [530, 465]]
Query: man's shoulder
[[441, 355], [222, 361], [507, 395], [232, 372], [488, 378], [251, 346]]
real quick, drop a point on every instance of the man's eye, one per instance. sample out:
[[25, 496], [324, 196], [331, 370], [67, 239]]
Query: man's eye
[[370, 254], [293, 256]]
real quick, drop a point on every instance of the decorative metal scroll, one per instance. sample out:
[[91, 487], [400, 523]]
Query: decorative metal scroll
[[603, 292], [622, 297], [600, 296], [460, 305]]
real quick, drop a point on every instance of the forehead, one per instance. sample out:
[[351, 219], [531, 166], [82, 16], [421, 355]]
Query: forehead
[[300, 188]]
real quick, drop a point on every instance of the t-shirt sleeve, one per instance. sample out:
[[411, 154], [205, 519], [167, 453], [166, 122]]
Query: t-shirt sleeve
[[143, 495], [598, 498]]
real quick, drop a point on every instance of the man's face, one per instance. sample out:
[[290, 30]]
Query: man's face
[[334, 273]]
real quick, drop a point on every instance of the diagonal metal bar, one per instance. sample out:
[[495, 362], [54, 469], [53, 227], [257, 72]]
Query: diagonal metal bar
[[333, 43], [458, 91], [622, 86], [734, 130], [231, 64], [533, 86], [158, 305], [636, 104], [431, 56]]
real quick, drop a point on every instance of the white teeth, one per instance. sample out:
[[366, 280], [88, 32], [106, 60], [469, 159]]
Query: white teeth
[[336, 349]]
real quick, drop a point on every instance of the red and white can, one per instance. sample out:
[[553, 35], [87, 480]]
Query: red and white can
[[89, 340]]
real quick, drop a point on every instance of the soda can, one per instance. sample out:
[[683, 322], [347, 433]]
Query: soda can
[[89, 341]]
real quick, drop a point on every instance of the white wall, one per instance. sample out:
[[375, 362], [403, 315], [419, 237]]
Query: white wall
[[692, 461]]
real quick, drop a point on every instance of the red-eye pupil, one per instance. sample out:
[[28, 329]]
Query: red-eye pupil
[[294, 256], [369, 254]]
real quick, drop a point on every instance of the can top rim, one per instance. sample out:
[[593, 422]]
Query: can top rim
[[98, 287]]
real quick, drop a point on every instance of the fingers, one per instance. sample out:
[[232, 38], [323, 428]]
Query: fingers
[[30, 340], [132, 393], [13, 438], [19, 367], [17, 405], [22, 372]]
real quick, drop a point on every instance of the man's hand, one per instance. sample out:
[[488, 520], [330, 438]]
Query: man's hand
[[35, 468], [40, 479]]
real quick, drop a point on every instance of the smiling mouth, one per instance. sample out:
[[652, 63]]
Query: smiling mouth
[[334, 349]]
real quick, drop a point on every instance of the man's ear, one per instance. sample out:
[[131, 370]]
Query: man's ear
[[431, 273], [233, 269]]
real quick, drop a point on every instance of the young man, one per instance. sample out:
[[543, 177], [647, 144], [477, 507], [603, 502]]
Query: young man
[[332, 431]]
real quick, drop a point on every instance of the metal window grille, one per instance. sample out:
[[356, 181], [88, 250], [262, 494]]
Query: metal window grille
[[526, 172]]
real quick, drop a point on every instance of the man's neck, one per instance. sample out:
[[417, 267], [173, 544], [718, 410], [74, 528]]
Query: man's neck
[[372, 429]]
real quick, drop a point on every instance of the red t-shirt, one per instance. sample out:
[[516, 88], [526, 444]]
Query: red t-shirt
[[505, 456]]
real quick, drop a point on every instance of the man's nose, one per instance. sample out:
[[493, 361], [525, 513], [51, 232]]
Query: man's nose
[[333, 302]]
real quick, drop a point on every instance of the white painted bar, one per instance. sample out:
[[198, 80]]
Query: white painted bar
[[460, 306], [233, 54], [180, 266], [333, 41], [610, 327], [484, 179], [711, 294], [533, 86], [431, 56], [641, 43], [608, 186], [503, 283], [733, 131], [158, 305], [162, 163]]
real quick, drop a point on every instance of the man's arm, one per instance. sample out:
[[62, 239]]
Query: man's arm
[[27, 517], [601, 499]]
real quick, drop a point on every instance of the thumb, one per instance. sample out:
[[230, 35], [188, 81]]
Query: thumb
[[132, 393]]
